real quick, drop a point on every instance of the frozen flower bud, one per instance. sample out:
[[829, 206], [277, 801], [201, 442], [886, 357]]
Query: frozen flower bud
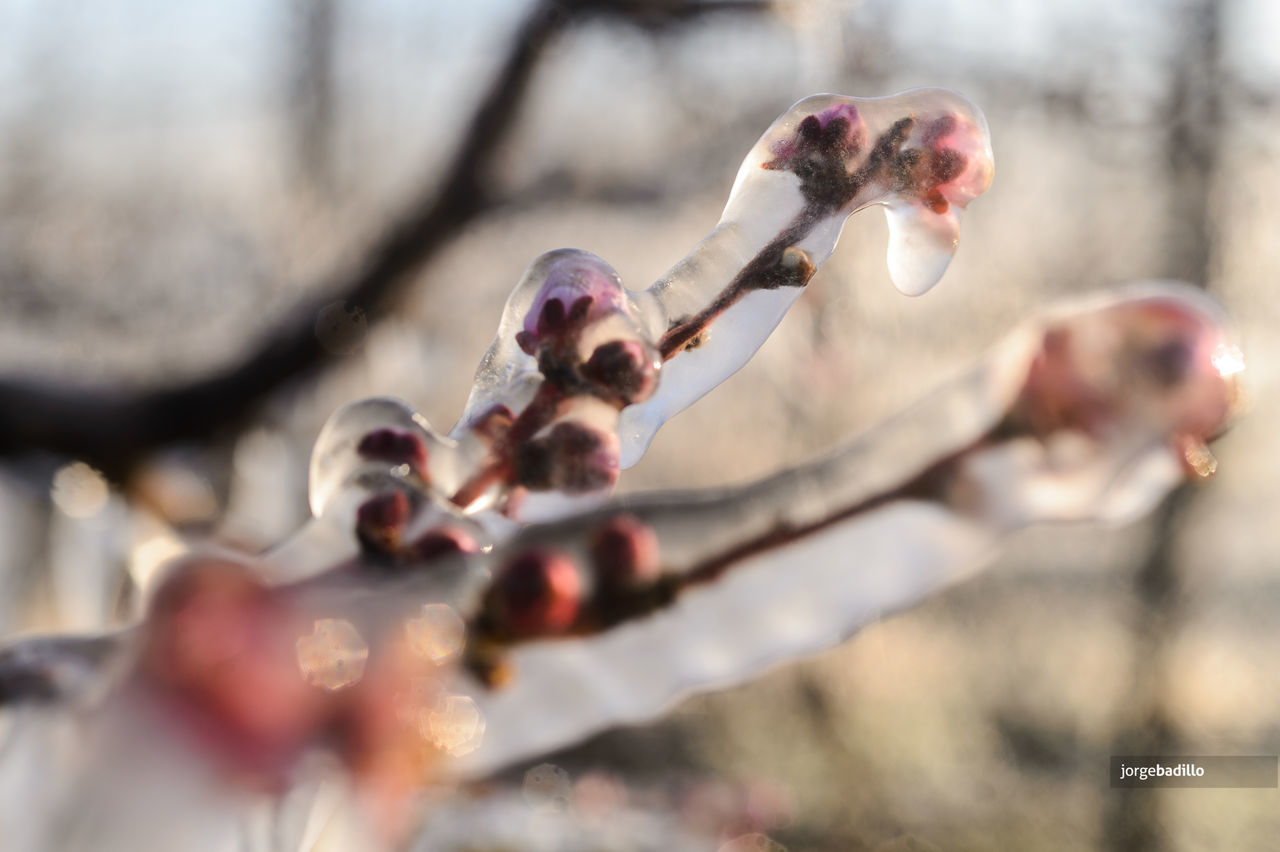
[[577, 291], [380, 522], [571, 457], [822, 141], [537, 594], [624, 553], [626, 370], [395, 447], [945, 162]]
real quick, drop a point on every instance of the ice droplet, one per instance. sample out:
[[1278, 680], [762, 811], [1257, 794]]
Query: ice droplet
[[921, 244]]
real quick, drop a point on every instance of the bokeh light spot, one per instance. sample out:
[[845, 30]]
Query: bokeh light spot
[[334, 655], [438, 635]]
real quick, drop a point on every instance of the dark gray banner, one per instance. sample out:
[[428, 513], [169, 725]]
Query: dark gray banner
[[1194, 771]]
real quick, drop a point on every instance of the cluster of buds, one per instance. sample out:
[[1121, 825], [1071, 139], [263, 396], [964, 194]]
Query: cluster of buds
[[851, 152], [385, 521], [612, 571], [589, 360], [1151, 362]]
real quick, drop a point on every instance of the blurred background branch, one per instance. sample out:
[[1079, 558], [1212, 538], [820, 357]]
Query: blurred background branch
[[113, 428]]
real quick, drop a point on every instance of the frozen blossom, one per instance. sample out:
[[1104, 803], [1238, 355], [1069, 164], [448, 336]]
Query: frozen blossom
[[459, 602]]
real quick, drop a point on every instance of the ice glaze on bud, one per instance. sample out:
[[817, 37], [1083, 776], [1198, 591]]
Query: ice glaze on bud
[[380, 522], [1153, 361], [626, 370], [575, 293], [624, 553], [396, 447], [572, 457], [539, 593], [837, 132], [944, 162]]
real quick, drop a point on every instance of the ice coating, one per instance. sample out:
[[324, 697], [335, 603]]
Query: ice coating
[[923, 500], [375, 436], [509, 373], [610, 614], [542, 416], [1091, 412], [924, 154]]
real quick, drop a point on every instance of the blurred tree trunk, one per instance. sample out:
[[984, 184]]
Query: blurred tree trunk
[[1194, 127]]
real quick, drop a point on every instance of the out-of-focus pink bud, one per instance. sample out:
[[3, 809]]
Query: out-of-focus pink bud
[[625, 369], [537, 594], [221, 646], [442, 541], [574, 294], [1157, 361], [572, 457], [624, 553]]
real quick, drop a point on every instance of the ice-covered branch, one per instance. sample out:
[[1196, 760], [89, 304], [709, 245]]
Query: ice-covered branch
[[462, 601], [1091, 414]]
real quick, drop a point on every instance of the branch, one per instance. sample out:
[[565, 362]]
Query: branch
[[629, 608]]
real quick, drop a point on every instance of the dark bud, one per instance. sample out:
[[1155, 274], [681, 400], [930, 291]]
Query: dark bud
[[809, 129], [572, 458], [583, 459], [623, 369], [396, 447], [380, 522], [533, 463]]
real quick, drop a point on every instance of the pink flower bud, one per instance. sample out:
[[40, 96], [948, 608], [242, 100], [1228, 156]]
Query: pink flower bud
[[1158, 359], [625, 369], [837, 134], [537, 594], [220, 648], [948, 164]]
